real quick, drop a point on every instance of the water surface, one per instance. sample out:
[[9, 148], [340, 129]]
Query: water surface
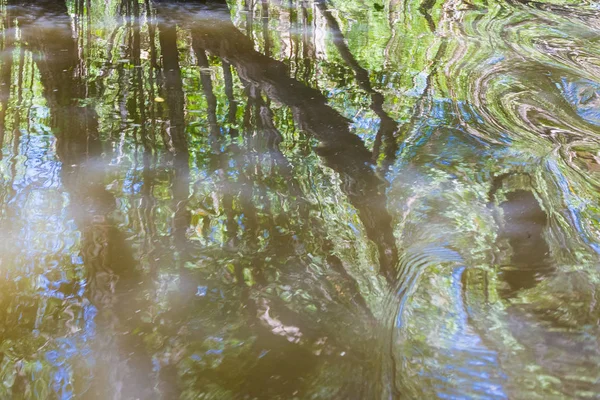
[[299, 199]]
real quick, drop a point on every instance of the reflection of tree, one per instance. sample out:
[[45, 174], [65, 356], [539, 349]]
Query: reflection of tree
[[388, 127], [243, 196], [270, 330], [344, 152], [113, 280], [175, 136], [251, 171], [5, 76]]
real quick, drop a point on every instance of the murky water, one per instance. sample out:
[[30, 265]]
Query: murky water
[[300, 199]]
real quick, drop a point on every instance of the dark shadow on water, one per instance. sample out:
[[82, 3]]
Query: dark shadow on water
[[524, 225]]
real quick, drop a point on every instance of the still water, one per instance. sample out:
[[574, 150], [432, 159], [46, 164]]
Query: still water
[[300, 199]]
